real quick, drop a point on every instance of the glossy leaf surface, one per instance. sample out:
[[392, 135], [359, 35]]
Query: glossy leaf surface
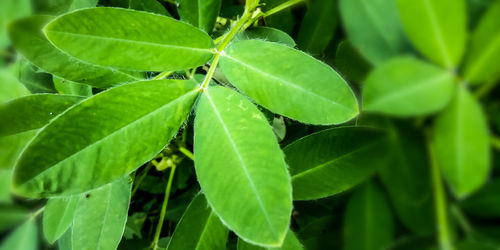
[[406, 86], [462, 143], [58, 216], [200, 13], [289, 82], [96, 141], [333, 160], [28, 39], [235, 145], [199, 228], [161, 43], [437, 28]]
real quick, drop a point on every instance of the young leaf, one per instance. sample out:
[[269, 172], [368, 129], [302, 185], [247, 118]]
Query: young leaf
[[291, 243], [481, 61], [484, 203], [29, 41], [199, 13], [406, 86], [236, 156], [101, 215], [289, 82], [462, 143], [33, 112], [199, 228], [268, 34], [25, 237], [437, 28], [58, 216], [374, 27], [368, 222], [104, 137], [333, 160], [10, 87], [149, 42], [318, 26]]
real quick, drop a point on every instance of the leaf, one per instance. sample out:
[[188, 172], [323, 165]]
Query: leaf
[[199, 13], [64, 243], [102, 138], [406, 86], [374, 28], [318, 26], [72, 88], [11, 215], [199, 228], [268, 34], [29, 41], [101, 215], [56, 7], [462, 144], [11, 10], [23, 238], [333, 160], [367, 212], [481, 60], [5, 182], [10, 87], [58, 216], [33, 112], [485, 203], [149, 43], [12, 146], [236, 154], [291, 243], [31, 77], [350, 63], [289, 82], [437, 29], [148, 5]]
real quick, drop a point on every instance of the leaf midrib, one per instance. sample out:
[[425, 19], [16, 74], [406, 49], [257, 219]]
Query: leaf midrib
[[437, 33]]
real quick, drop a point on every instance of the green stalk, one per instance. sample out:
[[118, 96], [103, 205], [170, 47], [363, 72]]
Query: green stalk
[[186, 152], [163, 208], [36, 213], [163, 75]]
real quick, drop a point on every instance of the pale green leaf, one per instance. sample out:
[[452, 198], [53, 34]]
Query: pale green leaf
[[30, 42], [25, 237], [331, 161], [236, 154], [58, 216], [101, 215], [318, 26], [268, 34], [374, 28], [291, 243], [10, 87], [368, 222], [462, 143], [199, 13], [148, 42], [105, 136], [199, 228], [437, 28], [481, 62], [67, 87], [289, 82], [406, 86]]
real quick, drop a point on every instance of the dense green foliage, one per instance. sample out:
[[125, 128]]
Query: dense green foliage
[[257, 124]]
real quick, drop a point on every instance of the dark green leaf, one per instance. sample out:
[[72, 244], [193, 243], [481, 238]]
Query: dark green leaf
[[199, 13], [318, 26]]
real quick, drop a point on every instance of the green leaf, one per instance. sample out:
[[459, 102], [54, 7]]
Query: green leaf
[[11, 10], [32, 78], [12, 146], [148, 5], [97, 141], [64, 243], [350, 63], [199, 228], [333, 160], [368, 222], [25, 237], [5, 176], [406, 86], [462, 143], [484, 203], [101, 215], [58, 216], [481, 60], [268, 34], [10, 87], [374, 27], [437, 28], [318, 26], [29, 40], [149, 43], [56, 7], [291, 243], [199, 13], [11, 215], [66, 87], [236, 154], [289, 82], [33, 111]]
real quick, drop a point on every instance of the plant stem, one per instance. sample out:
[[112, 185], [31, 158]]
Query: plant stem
[[163, 208], [163, 75], [440, 208], [141, 178], [186, 152], [36, 213], [462, 220], [495, 142], [283, 6]]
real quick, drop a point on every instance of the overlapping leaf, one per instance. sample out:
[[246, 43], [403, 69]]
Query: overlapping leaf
[[318, 26], [200, 13], [58, 216]]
